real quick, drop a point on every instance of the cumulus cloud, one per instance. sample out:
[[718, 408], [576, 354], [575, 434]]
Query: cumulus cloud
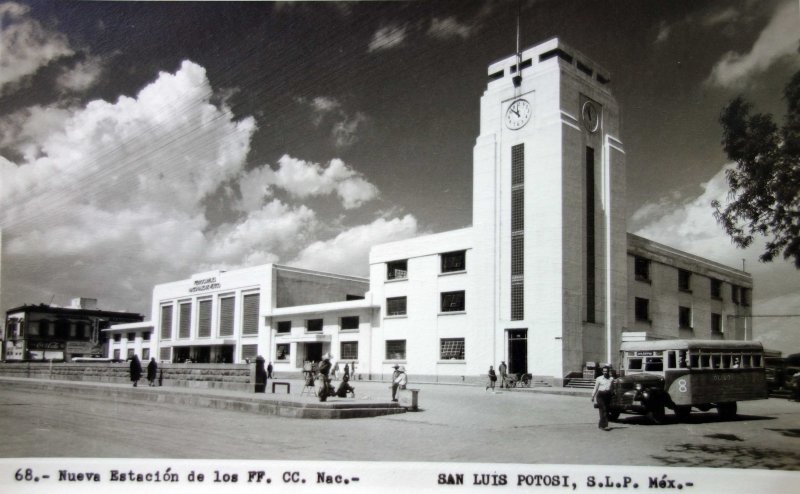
[[345, 127], [348, 252], [81, 76], [686, 222], [345, 132], [388, 37], [26, 45], [449, 27], [779, 39], [25, 130]]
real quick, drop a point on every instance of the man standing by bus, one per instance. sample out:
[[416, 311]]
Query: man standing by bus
[[602, 395]]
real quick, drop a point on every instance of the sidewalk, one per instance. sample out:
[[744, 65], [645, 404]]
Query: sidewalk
[[372, 398]]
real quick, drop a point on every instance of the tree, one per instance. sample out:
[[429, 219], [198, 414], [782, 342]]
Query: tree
[[764, 196]]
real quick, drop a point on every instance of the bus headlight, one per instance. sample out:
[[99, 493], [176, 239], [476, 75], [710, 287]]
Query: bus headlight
[[638, 386]]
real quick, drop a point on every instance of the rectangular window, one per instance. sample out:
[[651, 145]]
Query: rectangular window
[[204, 318], [452, 301], [166, 322], [284, 327], [282, 351], [314, 325], [716, 323], [349, 350], [165, 354], [80, 330], [641, 268], [396, 306], [642, 309], [716, 289], [33, 329], [745, 296], [395, 349], [349, 323], [184, 320], [590, 240], [397, 270], [684, 280], [517, 301], [131, 336], [145, 354], [734, 294], [249, 352], [73, 330], [250, 305], [353, 297], [454, 261], [685, 317], [146, 336], [117, 337], [517, 255], [130, 353], [226, 308], [116, 354], [451, 349], [518, 210], [518, 164]]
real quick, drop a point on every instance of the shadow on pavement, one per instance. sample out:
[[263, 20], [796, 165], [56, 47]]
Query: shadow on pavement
[[694, 418]]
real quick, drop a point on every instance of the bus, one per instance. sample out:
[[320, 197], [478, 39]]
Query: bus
[[685, 374]]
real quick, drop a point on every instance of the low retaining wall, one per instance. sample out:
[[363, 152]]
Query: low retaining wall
[[238, 377]]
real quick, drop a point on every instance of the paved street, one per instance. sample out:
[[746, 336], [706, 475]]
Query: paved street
[[457, 423]]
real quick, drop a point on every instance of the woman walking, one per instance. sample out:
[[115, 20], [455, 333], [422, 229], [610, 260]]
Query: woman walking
[[136, 370]]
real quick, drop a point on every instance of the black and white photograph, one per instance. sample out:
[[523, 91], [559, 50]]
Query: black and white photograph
[[400, 246]]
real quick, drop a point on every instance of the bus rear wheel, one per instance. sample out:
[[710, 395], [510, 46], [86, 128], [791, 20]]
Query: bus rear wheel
[[683, 412], [727, 411]]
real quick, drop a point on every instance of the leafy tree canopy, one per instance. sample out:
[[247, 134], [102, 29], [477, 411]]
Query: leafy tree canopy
[[764, 196]]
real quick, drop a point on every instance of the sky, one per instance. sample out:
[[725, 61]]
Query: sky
[[142, 142]]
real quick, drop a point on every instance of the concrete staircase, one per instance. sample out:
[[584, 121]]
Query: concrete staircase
[[579, 382]]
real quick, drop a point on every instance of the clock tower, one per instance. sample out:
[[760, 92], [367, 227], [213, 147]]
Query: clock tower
[[548, 212]]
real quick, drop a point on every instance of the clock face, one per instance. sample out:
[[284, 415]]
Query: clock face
[[518, 114], [590, 116]]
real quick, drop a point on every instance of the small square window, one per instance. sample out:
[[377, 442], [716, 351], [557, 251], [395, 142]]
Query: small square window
[[451, 349], [117, 337], [397, 270], [349, 323], [282, 351], [685, 317], [716, 289], [146, 336], [396, 306], [452, 301], [684, 280], [716, 323], [395, 349], [349, 350], [454, 261], [314, 325], [641, 267], [284, 327], [642, 309], [131, 336], [130, 353]]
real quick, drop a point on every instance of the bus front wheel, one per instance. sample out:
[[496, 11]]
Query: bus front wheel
[[727, 411]]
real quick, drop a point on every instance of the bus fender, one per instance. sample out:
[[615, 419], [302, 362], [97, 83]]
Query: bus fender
[[653, 395]]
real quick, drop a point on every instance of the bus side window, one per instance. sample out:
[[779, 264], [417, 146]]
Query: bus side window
[[705, 361], [726, 362], [756, 360], [671, 360], [654, 364], [634, 364], [715, 361], [694, 360]]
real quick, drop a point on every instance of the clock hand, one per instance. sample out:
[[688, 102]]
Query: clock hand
[[516, 112]]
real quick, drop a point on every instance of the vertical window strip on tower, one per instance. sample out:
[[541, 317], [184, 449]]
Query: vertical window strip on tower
[[250, 306], [226, 306], [166, 322], [590, 237], [185, 320], [204, 319], [517, 231]]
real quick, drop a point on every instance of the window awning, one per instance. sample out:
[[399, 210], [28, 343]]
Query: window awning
[[175, 344]]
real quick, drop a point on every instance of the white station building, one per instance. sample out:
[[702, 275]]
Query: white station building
[[546, 278]]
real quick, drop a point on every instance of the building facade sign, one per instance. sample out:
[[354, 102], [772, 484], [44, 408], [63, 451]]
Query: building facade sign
[[205, 284]]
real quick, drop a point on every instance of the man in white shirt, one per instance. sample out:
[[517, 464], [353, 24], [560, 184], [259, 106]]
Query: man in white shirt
[[602, 395], [400, 381]]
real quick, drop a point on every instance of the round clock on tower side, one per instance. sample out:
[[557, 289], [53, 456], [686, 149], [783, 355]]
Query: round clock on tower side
[[518, 114]]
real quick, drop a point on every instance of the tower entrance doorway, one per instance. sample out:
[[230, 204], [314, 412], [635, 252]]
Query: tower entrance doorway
[[517, 351]]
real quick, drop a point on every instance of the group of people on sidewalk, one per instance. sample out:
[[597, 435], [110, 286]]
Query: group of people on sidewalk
[[503, 369], [136, 371]]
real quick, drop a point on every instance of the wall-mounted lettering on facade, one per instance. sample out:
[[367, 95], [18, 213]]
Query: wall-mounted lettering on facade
[[205, 284]]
